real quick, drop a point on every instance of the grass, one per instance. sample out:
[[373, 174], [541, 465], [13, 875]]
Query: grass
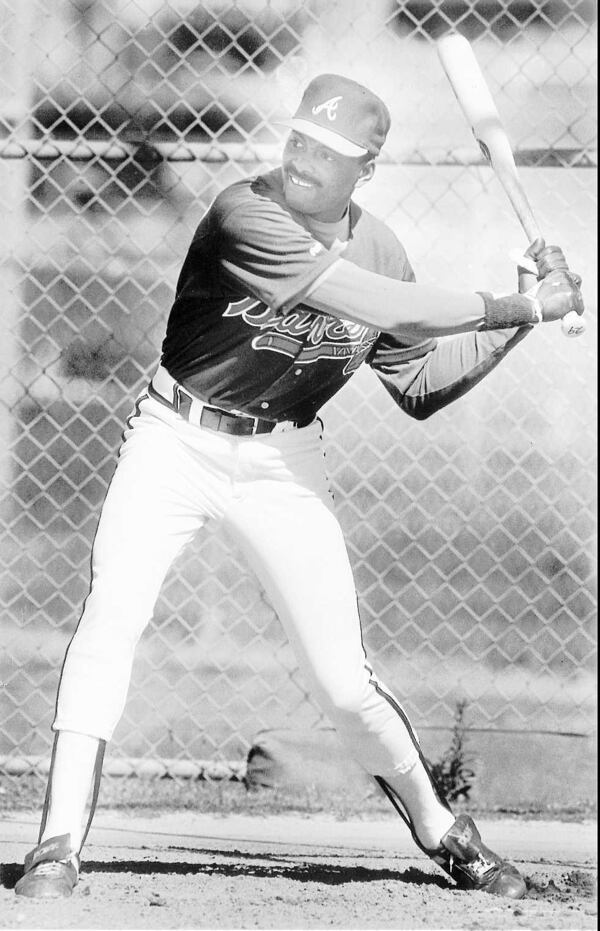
[[454, 772], [148, 797]]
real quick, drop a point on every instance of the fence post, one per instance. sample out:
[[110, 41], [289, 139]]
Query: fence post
[[15, 112]]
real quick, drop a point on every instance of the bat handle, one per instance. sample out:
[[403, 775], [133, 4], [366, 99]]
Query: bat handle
[[571, 324]]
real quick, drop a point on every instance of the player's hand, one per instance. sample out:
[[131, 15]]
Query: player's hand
[[554, 287], [549, 259], [557, 294]]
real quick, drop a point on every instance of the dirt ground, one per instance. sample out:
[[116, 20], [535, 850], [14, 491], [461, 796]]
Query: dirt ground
[[190, 871]]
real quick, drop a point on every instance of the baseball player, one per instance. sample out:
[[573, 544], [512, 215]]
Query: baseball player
[[287, 288]]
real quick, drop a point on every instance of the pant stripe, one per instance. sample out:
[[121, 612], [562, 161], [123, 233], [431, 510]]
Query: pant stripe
[[383, 784]]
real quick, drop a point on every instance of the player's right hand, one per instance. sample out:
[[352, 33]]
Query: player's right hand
[[557, 294]]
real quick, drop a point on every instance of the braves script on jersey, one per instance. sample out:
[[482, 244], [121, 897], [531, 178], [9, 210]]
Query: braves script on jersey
[[239, 335]]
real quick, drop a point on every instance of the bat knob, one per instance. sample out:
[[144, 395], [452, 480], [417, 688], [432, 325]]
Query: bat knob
[[572, 324]]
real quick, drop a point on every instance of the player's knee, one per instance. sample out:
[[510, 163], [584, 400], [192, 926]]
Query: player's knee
[[345, 701]]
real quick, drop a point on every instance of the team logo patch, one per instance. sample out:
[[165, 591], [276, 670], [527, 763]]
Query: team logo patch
[[304, 335], [330, 106]]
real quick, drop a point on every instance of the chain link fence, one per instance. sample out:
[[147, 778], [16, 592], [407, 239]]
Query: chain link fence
[[472, 535]]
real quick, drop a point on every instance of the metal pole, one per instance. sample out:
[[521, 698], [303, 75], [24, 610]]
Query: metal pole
[[16, 68]]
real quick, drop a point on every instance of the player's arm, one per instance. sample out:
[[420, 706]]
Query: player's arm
[[426, 377], [418, 311], [263, 251]]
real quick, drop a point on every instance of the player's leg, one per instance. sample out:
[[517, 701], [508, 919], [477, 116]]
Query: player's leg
[[150, 512], [288, 528], [52, 867], [298, 553], [293, 539]]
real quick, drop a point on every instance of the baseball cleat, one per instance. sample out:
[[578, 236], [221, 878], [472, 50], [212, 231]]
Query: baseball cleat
[[464, 856], [51, 870]]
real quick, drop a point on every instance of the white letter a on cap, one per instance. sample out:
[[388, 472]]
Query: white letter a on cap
[[330, 106]]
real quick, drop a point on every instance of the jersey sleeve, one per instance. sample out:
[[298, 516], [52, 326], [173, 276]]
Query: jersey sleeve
[[267, 254], [427, 376]]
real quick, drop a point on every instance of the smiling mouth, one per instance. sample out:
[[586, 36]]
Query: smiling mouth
[[299, 182]]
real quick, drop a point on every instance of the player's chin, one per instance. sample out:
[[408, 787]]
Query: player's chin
[[302, 199]]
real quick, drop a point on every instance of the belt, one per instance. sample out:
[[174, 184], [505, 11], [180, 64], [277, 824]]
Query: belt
[[169, 392]]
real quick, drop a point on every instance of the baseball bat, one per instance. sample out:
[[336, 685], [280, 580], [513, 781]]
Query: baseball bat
[[473, 94]]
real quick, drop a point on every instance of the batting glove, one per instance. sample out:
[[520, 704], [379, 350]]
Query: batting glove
[[556, 295]]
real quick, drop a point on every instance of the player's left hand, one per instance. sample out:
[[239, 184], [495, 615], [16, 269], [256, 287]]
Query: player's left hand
[[538, 261]]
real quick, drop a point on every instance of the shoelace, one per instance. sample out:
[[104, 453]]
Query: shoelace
[[50, 867], [480, 867]]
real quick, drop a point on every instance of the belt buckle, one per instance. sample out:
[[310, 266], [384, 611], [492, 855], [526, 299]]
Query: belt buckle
[[210, 418], [248, 425], [245, 419], [220, 421], [257, 423]]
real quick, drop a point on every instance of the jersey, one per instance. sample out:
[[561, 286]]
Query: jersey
[[240, 334]]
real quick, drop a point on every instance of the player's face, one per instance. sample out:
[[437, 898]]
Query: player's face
[[318, 181]]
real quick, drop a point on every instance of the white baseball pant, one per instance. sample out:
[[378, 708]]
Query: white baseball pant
[[273, 493]]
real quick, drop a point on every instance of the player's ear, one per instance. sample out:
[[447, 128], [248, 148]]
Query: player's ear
[[366, 172]]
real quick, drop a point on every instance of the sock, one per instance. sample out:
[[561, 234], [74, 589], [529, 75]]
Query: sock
[[69, 781], [430, 819]]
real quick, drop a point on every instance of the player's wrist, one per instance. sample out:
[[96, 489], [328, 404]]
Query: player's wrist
[[537, 310], [510, 310]]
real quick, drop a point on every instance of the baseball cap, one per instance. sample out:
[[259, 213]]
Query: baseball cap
[[342, 115]]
